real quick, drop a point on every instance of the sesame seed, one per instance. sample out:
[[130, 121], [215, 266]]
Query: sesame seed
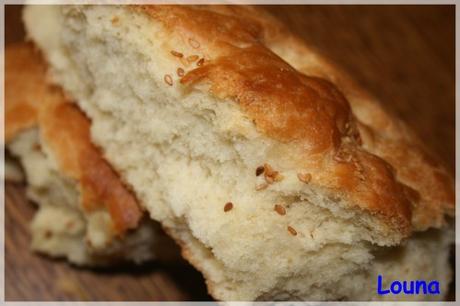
[[200, 62], [280, 209], [192, 58], [261, 186], [292, 231], [180, 72], [194, 43], [260, 170], [304, 177], [176, 54], [271, 175], [228, 206], [168, 79]]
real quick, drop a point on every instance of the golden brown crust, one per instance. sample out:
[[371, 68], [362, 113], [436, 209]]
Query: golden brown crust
[[431, 185], [308, 112], [353, 140], [24, 88], [66, 132]]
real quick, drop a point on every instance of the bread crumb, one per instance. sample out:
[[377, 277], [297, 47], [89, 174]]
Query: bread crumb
[[260, 170]]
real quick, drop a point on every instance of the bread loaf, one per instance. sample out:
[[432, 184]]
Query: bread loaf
[[78, 216], [279, 177]]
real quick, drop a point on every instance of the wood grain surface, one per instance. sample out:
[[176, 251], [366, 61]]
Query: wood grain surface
[[405, 55]]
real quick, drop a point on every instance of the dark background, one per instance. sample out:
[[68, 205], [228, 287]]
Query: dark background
[[405, 55]]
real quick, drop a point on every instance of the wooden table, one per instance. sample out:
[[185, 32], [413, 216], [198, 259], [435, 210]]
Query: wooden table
[[403, 54]]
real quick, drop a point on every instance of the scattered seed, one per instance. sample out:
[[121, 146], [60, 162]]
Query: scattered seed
[[192, 58], [228, 206], [271, 175], [168, 80], [176, 54], [48, 234], [180, 72], [292, 231], [280, 209], [194, 43], [260, 170], [115, 20], [261, 186], [200, 62], [304, 177]]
